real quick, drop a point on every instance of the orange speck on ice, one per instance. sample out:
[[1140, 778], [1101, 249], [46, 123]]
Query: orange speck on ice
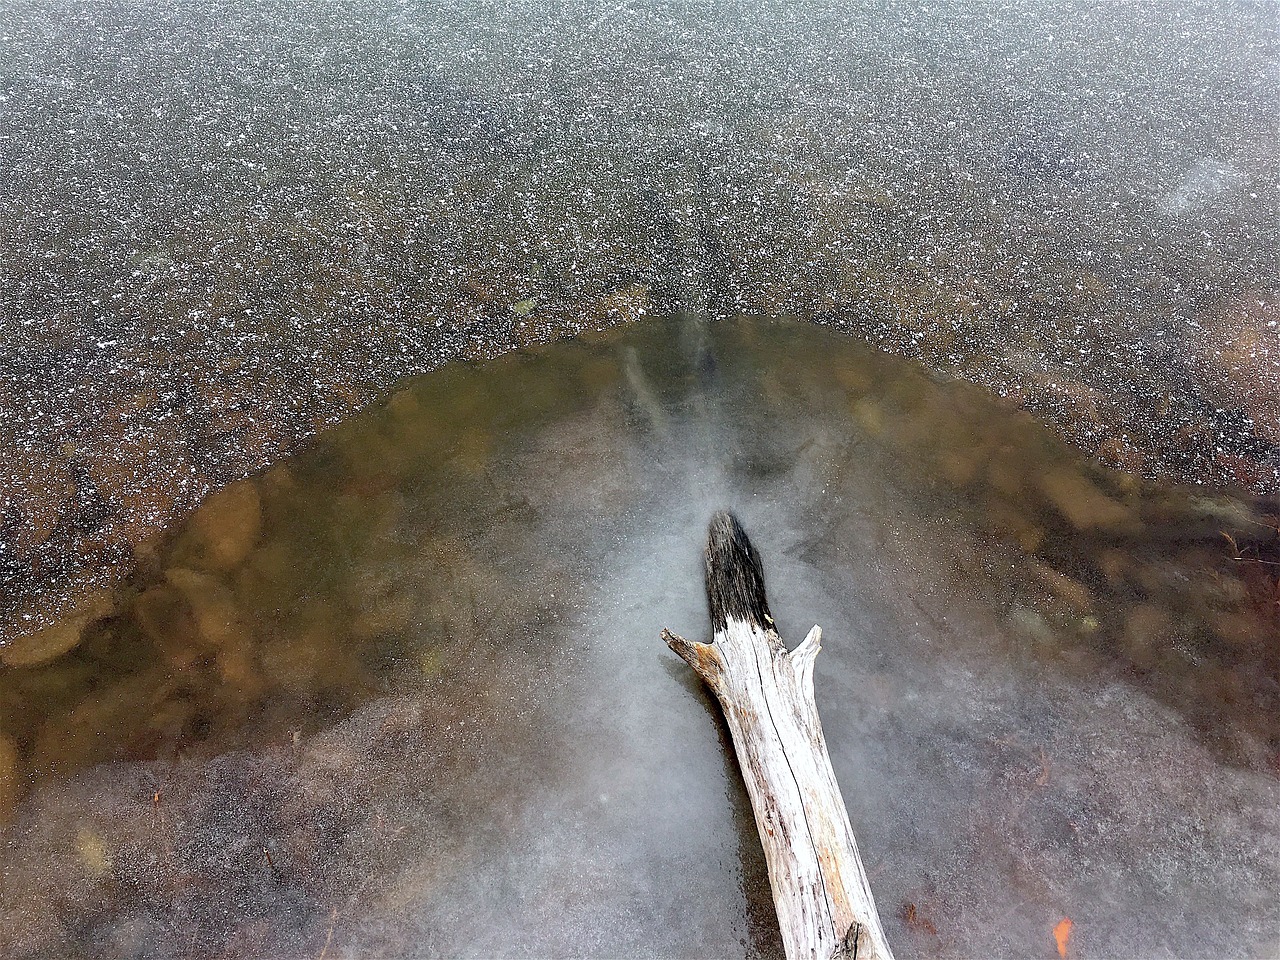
[[1062, 933]]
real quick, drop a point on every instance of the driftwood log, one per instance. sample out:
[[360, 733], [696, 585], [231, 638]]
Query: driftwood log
[[824, 903]]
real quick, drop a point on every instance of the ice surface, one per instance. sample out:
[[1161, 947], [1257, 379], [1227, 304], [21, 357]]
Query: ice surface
[[227, 224], [426, 712]]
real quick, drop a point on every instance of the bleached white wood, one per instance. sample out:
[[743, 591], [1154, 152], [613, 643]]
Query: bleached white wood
[[824, 902]]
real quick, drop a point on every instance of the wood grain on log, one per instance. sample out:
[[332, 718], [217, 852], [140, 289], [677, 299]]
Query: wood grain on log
[[820, 888]]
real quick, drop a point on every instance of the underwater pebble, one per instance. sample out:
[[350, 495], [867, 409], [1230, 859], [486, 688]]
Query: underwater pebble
[[960, 467], [1015, 523]]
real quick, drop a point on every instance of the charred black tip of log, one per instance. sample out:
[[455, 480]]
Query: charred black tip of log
[[735, 576]]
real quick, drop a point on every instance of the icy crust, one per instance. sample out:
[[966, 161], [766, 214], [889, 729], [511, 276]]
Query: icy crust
[[227, 228]]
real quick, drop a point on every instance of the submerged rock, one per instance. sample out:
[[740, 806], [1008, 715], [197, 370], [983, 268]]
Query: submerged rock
[[310, 656], [1082, 503], [114, 719], [213, 606], [1071, 592], [227, 526], [870, 416], [1015, 524], [64, 636], [93, 853], [220, 626], [165, 617]]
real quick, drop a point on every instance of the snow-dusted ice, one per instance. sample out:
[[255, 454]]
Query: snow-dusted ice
[[266, 213]]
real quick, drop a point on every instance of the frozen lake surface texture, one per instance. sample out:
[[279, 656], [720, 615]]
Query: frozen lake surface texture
[[330, 586], [225, 225]]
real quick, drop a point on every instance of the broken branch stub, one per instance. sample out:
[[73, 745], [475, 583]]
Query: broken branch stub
[[820, 888]]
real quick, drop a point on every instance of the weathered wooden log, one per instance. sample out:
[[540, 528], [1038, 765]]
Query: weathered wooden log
[[824, 902]]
